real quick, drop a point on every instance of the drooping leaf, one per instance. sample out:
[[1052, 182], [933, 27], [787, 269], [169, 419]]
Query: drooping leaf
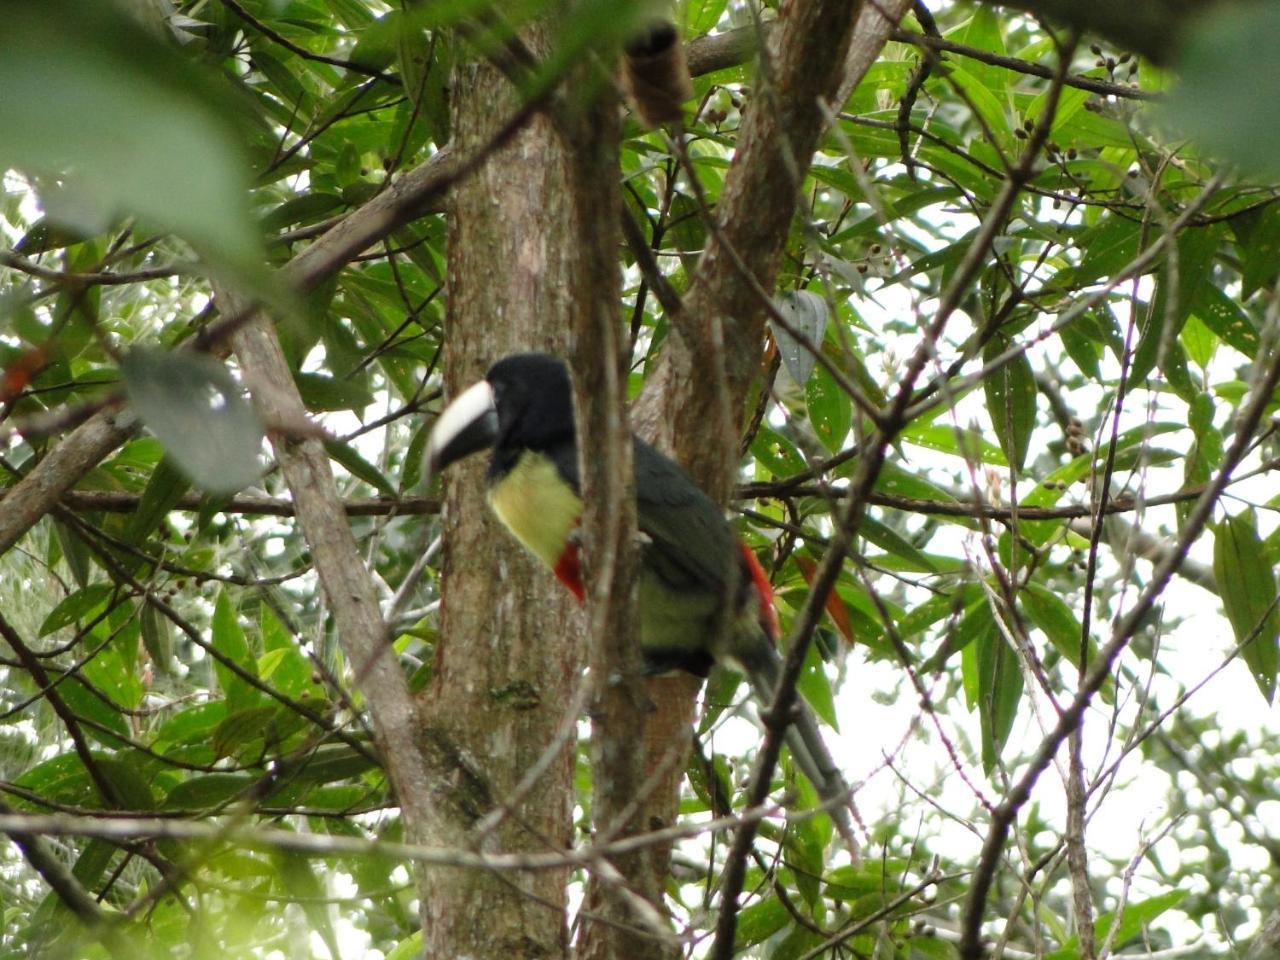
[[193, 405], [1235, 120], [1011, 401], [230, 641], [807, 313], [81, 605], [128, 125], [1248, 587]]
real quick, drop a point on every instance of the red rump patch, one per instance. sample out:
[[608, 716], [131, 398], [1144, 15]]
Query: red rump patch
[[568, 570], [764, 591]]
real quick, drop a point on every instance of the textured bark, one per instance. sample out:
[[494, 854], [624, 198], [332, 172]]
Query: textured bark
[[806, 56], [509, 656], [39, 491]]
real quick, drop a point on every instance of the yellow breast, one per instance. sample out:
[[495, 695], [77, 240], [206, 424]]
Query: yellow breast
[[536, 505]]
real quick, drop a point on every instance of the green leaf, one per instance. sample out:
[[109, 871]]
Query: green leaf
[[157, 638], [1011, 400], [982, 100], [164, 489], [229, 640], [759, 921], [1133, 920], [1225, 318], [1199, 341], [409, 948], [320, 392], [208, 791], [94, 100], [896, 481], [1107, 247], [1258, 244], [74, 551], [1195, 252], [815, 687], [359, 467], [701, 15], [1248, 587], [1051, 614], [193, 405], [969, 444], [84, 604], [306, 208], [241, 728], [889, 539], [999, 692]]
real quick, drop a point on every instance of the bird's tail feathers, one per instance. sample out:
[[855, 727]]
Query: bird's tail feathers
[[804, 740]]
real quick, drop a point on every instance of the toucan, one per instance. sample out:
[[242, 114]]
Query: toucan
[[703, 596]]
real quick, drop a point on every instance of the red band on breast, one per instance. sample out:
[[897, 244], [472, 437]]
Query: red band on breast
[[568, 570]]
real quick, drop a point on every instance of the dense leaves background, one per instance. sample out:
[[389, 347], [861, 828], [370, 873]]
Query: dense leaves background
[[168, 653]]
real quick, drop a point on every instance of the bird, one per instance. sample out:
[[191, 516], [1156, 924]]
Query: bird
[[703, 597]]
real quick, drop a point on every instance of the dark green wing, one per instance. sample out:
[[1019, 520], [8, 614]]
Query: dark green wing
[[690, 545]]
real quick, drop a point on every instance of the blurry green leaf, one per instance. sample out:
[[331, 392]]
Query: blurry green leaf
[[94, 100], [830, 409], [1224, 317], [1011, 402], [1231, 113], [969, 444], [163, 491], [320, 392], [157, 638], [1248, 588], [815, 687], [410, 948], [303, 209], [229, 640], [999, 692], [193, 405], [759, 921], [80, 605], [1105, 249], [207, 791], [359, 467], [701, 15]]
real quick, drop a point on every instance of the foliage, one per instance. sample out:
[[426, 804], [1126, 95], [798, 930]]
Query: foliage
[[168, 649]]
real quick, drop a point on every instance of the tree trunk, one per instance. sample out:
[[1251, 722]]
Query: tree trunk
[[509, 656]]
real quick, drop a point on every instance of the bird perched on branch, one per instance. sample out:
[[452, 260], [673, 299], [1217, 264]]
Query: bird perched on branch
[[703, 597]]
